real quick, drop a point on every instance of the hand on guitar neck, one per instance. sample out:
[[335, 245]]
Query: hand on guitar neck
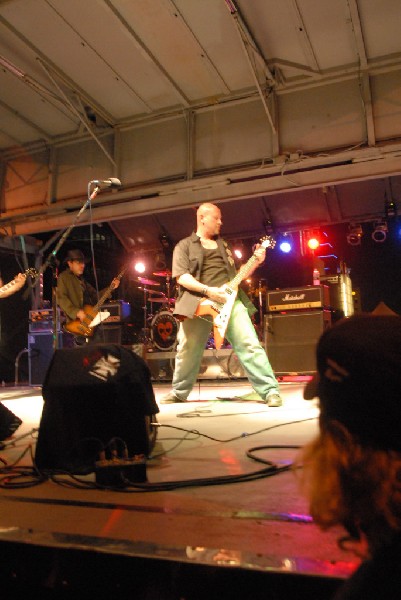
[[16, 284]]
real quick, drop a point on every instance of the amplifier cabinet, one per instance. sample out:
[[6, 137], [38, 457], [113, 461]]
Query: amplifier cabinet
[[41, 320], [40, 353], [311, 296], [118, 309], [291, 338]]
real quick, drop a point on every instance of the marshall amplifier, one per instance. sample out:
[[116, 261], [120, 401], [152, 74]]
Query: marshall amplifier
[[312, 296]]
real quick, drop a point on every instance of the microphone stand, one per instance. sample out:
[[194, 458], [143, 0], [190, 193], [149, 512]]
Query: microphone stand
[[52, 262], [260, 297]]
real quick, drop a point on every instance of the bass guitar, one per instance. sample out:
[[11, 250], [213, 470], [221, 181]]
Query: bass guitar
[[6, 290], [84, 328], [221, 312]]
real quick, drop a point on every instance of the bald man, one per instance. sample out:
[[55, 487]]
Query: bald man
[[203, 264]]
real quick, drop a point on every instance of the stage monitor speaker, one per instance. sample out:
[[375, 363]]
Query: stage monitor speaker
[[290, 340], [40, 353], [98, 404]]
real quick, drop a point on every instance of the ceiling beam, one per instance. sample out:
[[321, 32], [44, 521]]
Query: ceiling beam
[[247, 184]]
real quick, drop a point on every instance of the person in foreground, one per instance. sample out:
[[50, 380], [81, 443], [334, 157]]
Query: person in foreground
[[352, 470], [9, 422], [74, 293], [202, 265]]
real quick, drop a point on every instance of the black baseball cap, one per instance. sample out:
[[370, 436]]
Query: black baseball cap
[[358, 379]]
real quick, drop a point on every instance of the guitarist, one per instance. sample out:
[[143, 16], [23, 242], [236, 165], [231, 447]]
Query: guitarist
[[74, 292], [202, 264]]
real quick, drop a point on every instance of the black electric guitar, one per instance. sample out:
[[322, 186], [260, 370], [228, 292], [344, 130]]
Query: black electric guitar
[[11, 284], [78, 327], [221, 312]]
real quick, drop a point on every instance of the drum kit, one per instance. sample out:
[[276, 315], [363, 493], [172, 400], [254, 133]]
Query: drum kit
[[163, 330]]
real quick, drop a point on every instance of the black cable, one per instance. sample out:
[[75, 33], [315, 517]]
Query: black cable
[[13, 474]]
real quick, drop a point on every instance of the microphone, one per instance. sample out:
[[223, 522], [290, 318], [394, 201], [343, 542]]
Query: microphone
[[112, 182]]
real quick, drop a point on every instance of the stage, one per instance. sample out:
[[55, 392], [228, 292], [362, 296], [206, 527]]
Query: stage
[[221, 514]]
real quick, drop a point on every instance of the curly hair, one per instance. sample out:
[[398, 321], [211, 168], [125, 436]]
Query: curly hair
[[355, 486]]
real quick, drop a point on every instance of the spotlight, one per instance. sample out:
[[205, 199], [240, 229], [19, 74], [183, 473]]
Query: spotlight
[[238, 249], [379, 233], [391, 209], [313, 243], [310, 241], [354, 235], [139, 265], [286, 242]]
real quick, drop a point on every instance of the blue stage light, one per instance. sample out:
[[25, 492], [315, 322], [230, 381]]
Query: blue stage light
[[285, 243], [285, 246]]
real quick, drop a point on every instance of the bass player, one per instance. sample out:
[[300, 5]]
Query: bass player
[[74, 293], [203, 264]]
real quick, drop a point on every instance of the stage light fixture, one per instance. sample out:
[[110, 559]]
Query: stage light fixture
[[380, 230], [286, 243], [313, 243], [354, 234], [310, 241], [139, 264], [391, 209]]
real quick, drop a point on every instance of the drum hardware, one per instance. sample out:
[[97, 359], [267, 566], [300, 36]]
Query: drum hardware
[[146, 281], [162, 300], [165, 273], [144, 336]]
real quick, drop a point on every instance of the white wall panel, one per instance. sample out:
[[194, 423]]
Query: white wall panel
[[77, 164], [322, 118], [386, 93], [232, 135], [154, 152]]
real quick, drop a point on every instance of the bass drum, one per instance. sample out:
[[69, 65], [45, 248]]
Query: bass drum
[[164, 330]]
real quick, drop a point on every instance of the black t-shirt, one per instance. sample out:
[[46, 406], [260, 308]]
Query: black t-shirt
[[214, 271]]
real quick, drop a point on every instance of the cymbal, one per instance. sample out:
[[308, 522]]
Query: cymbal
[[147, 281], [166, 273], [162, 300]]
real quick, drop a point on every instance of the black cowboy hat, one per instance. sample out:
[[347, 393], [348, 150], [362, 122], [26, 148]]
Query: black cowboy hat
[[75, 255]]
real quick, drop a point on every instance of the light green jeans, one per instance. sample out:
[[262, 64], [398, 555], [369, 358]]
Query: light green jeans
[[241, 334]]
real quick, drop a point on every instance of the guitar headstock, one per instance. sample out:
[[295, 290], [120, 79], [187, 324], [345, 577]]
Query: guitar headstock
[[32, 272], [267, 241]]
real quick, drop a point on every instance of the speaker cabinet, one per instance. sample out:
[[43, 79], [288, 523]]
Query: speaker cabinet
[[98, 405], [40, 353], [291, 338], [111, 334]]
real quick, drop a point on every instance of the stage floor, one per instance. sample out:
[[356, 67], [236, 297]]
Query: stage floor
[[220, 495]]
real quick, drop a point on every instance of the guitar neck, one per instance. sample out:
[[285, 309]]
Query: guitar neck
[[244, 271], [108, 292], [7, 286]]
